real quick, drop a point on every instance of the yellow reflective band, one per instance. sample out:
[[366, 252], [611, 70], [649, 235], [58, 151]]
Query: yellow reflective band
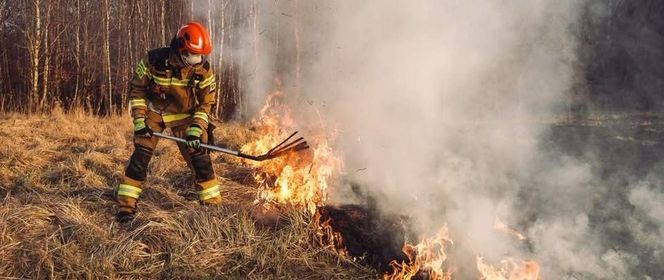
[[137, 103], [207, 82], [194, 131], [174, 117], [128, 190], [209, 193], [170, 81], [161, 81], [178, 82], [139, 123], [201, 115]]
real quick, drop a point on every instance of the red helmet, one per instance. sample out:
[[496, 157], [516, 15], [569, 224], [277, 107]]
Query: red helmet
[[193, 38]]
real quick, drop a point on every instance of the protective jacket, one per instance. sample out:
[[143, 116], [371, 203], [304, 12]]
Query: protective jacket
[[180, 93]]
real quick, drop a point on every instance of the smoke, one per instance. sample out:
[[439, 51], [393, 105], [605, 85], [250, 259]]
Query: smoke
[[441, 106], [446, 111]]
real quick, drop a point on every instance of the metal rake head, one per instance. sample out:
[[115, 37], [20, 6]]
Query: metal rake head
[[285, 147]]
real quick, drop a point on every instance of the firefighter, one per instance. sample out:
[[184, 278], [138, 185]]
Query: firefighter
[[172, 87]]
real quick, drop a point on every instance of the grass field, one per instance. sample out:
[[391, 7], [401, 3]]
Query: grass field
[[57, 177]]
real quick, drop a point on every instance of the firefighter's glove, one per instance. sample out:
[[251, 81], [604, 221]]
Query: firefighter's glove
[[141, 129], [194, 136]]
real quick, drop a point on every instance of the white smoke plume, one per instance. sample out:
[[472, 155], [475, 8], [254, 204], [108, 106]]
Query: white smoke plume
[[442, 111]]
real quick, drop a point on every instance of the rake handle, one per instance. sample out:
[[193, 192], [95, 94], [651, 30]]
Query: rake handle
[[234, 152], [210, 147]]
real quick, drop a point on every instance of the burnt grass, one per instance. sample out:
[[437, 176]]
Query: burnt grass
[[366, 233]]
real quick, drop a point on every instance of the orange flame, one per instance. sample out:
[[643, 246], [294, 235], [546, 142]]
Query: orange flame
[[510, 270], [327, 237], [426, 257], [300, 180]]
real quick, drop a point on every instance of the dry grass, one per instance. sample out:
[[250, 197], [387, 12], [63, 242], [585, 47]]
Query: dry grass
[[57, 176]]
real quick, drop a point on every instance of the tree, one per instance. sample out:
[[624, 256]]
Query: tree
[[33, 37]]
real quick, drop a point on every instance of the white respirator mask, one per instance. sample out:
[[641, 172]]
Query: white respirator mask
[[191, 59]]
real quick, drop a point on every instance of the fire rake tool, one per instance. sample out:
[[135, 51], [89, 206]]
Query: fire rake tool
[[279, 150]]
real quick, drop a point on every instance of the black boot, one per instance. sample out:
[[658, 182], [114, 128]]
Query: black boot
[[124, 216]]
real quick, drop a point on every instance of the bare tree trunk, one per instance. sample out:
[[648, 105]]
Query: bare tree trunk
[[3, 66], [107, 54], [4, 90], [130, 56], [47, 57], [77, 48], [34, 39], [87, 101], [220, 60], [130, 45], [119, 63], [163, 22], [56, 92]]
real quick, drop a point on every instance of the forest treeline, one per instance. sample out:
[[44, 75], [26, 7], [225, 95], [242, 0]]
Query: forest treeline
[[81, 54]]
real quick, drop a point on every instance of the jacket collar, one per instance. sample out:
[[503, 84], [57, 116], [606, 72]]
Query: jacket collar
[[175, 60]]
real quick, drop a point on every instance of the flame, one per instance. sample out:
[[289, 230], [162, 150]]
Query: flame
[[510, 270], [299, 180], [500, 226], [426, 257], [327, 237]]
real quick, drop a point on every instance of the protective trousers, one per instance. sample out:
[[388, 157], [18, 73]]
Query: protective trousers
[[198, 160]]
